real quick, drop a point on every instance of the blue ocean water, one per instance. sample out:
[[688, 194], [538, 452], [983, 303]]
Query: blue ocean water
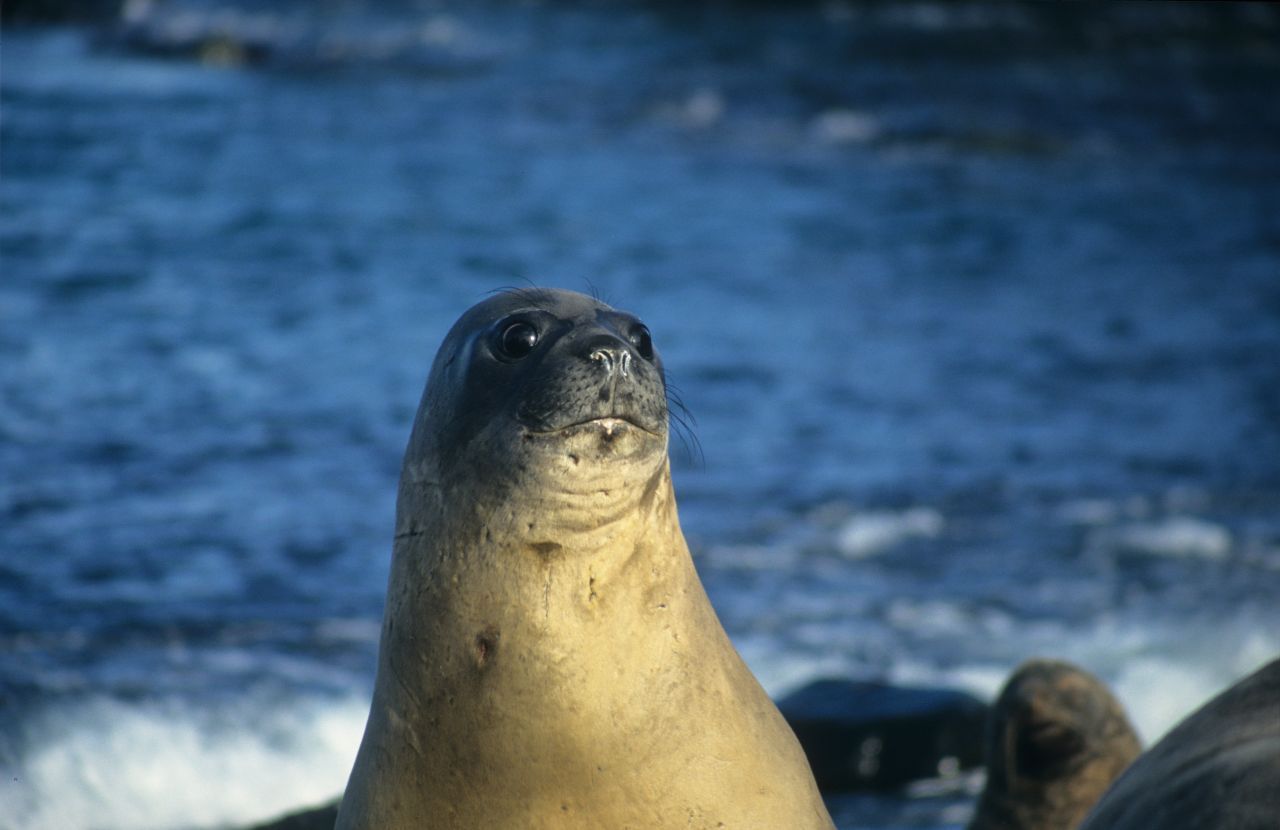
[[977, 308]]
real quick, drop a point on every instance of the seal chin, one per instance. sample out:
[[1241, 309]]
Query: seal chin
[[606, 441]]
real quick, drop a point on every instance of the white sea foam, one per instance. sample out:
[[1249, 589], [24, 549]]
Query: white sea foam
[[1097, 512], [1178, 536], [750, 557], [844, 126], [1159, 688], [872, 532], [111, 765], [1160, 670], [704, 107], [105, 764]]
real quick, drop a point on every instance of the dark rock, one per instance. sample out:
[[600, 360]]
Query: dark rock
[[873, 736], [317, 818], [59, 11]]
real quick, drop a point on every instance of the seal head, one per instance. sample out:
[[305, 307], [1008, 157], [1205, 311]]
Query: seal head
[[533, 366], [1056, 739]]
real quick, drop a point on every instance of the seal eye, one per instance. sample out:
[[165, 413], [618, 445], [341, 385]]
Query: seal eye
[[640, 339], [517, 340]]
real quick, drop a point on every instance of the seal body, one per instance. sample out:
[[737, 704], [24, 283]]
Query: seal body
[[1056, 739], [549, 658], [1217, 770]]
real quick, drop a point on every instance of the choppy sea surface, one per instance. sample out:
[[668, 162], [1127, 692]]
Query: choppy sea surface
[[977, 307]]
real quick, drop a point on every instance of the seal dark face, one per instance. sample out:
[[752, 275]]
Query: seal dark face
[[1056, 740], [544, 371]]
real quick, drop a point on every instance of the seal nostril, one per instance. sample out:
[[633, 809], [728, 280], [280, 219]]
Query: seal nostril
[[614, 358], [603, 357]]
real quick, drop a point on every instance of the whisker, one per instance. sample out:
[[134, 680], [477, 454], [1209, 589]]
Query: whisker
[[531, 294], [684, 421]]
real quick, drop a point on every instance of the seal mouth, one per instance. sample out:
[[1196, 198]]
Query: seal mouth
[[607, 426]]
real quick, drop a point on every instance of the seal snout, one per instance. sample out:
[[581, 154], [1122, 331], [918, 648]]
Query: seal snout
[[613, 360], [597, 376], [610, 353]]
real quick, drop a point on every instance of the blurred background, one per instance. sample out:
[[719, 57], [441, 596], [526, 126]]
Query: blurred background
[[976, 305]]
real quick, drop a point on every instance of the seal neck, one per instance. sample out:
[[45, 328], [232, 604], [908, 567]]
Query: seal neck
[[570, 500]]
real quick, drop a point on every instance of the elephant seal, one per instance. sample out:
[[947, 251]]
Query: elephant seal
[[1056, 739], [1217, 770], [549, 658]]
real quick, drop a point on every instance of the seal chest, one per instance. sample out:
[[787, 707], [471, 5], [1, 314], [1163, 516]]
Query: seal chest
[[549, 657]]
